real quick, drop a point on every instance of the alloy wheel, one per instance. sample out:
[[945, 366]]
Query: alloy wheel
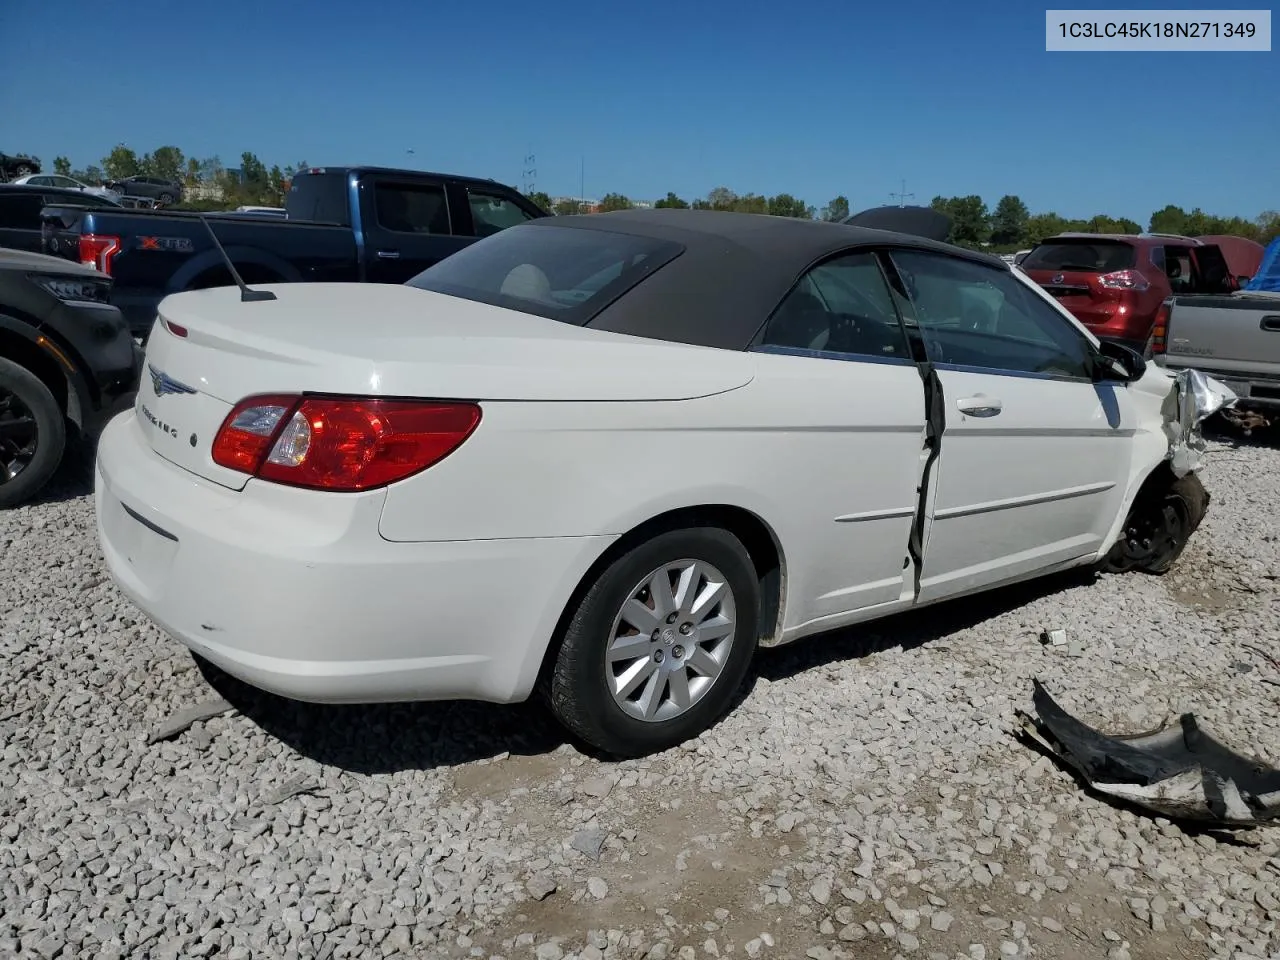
[[19, 436], [671, 640]]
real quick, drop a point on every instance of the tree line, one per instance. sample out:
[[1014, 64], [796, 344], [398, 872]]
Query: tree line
[[1008, 227], [253, 184]]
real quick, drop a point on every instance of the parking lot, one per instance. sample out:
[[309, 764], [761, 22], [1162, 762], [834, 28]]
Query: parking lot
[[866, 799]]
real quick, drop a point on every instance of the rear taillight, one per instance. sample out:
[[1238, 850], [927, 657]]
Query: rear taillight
[[176, 329], [1160, 330], [340, 443], [1124, 280], [97, 250]]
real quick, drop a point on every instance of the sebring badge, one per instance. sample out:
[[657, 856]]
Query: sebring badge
[[162, 383]]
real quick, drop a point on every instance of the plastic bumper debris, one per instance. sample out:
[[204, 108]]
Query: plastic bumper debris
[[1178, 771]]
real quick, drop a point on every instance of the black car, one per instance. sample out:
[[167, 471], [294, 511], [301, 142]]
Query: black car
[[14, 166], [162, 191], [20, 206], [67, 365]]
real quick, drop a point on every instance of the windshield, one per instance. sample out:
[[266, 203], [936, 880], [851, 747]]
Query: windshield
[[1086, 256], [563, 273]]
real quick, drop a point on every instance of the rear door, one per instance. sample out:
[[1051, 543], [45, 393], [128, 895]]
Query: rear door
[[1035, 454], [1212, 274], [408, 226]]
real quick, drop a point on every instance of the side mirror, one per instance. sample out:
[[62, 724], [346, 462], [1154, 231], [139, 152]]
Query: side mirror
[[1118, 362]]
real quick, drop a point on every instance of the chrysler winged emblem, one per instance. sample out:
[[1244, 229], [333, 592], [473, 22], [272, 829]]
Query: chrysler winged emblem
[[162, 383]]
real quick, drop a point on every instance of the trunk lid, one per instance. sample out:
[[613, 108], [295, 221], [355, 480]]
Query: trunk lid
[[395, 341]]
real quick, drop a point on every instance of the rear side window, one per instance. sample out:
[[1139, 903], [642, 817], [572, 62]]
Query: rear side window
[[1081, 256], [321, 197], [20, 211], [412, 208], [562, 273]]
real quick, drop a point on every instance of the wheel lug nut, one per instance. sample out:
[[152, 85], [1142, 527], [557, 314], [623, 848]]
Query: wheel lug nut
[[686, 629], [657, 656], [678, 652], [656, 635], [671, 618]]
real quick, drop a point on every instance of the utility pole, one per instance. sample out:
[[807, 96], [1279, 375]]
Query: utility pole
[[529, 173], [902, 195], [582, 183]]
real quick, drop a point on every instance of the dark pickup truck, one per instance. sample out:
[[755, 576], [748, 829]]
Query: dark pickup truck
[[360, 224]]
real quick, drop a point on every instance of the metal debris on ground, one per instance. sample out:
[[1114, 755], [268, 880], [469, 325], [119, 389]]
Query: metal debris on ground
[[1178, 771], [184, 718]]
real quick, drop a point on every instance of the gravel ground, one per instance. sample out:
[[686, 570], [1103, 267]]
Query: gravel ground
[[866, 799]]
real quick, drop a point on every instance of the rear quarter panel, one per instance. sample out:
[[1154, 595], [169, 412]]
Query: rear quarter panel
[[806, 442]]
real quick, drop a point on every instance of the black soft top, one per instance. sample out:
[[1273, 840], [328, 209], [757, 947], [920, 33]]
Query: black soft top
[[734, 270]]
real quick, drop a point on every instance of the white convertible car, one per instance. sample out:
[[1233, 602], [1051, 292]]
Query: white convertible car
[[607, 457]]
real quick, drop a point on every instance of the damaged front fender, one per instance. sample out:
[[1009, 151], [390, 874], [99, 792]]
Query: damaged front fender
[[1193, 399]]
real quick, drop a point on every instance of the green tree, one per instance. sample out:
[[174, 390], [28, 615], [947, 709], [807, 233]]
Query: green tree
[[121, 162], [62, 166], [1009, 221], [785, 205], [751, 203], [167, 162], [721, 198], [192, 176], [1106, 224], [91, 174], [970, 222], [614, 201], [540, 198], [837, 209], [671, 202], [1268, 224], [1170, 219], [566, 207]]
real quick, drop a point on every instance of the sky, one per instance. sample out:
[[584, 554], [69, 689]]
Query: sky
[[812, 97]]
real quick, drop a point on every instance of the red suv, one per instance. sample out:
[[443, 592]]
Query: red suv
[[1115, 283]]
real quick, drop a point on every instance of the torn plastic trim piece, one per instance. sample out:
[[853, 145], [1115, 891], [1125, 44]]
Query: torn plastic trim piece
[[1193, 399], [1177, 771]]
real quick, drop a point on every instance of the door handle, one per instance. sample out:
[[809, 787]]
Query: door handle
[[388, 254], [1271, 324], [979, 406]]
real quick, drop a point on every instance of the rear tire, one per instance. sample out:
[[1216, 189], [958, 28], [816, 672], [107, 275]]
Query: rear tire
[[33, 434], [685, 661]]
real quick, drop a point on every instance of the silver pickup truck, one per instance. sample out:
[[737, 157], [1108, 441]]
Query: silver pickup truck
[[1234, 338]]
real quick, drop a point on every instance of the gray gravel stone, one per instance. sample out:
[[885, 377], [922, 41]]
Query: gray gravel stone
[[881, 771]]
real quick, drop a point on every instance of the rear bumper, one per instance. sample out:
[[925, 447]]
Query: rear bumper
[[1252, 390], [296, 593]]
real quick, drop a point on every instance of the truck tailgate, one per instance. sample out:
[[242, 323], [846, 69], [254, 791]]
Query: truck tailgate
[[1239, 334], [1235, 339]]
